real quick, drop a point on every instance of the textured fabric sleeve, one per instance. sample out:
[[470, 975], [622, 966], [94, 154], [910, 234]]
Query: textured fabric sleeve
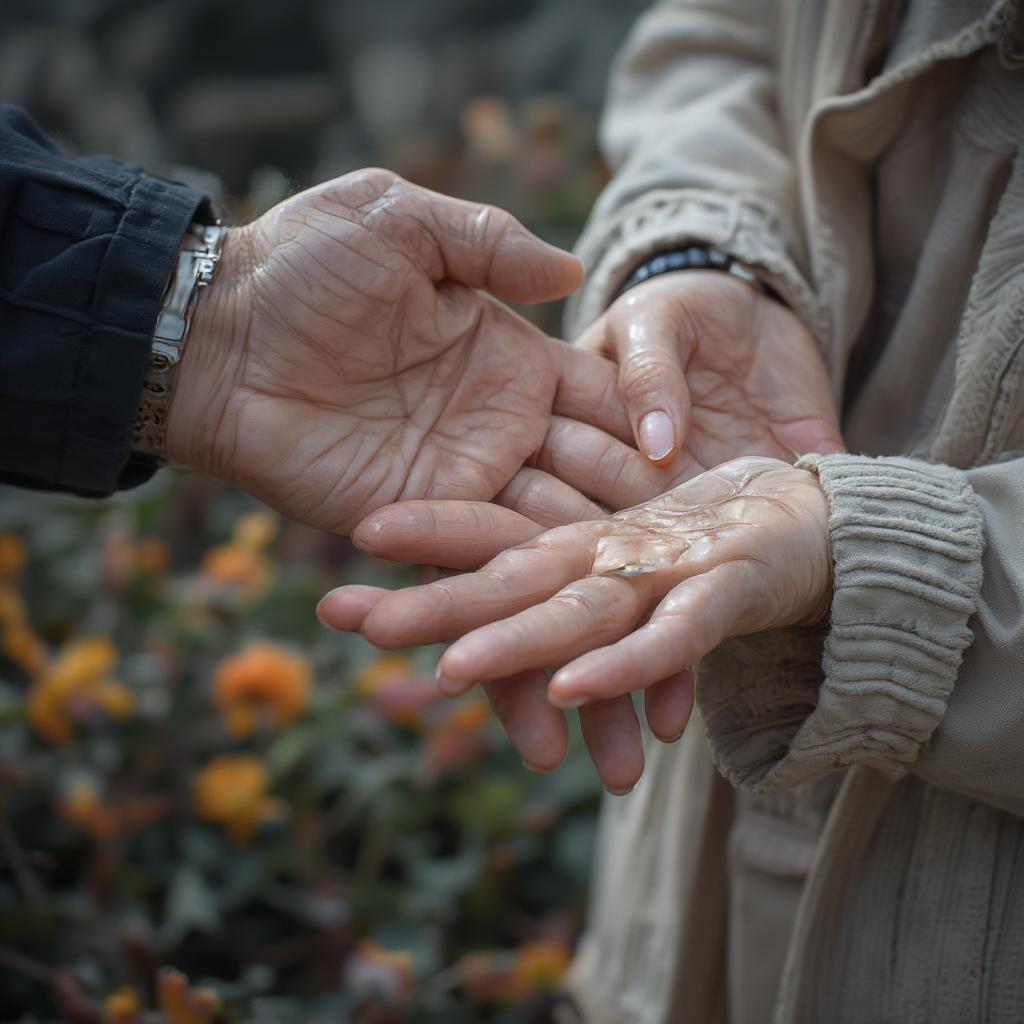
[[692, 133], [86, 249], [907, 539]]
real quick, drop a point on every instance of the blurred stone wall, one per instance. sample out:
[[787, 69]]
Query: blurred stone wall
[[252, 98]]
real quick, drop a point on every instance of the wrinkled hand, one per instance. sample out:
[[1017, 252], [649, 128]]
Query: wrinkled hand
[[708, 362], [614, 605], [347, 356]]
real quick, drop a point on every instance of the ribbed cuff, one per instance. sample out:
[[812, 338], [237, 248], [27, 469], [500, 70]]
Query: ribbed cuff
[[669, 218], [907, 541]]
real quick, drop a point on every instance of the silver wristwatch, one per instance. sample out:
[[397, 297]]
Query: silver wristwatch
[[197, 261]]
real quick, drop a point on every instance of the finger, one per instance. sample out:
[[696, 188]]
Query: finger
[[820, 436], [585, 614], [447, 609], [538, 730], [605, 469], [345, 608], [544, 500], [486, 247], [588, 391], [668, 704], [612, 734], [595, 339], [450, 534], [653, 350], [689, 623]]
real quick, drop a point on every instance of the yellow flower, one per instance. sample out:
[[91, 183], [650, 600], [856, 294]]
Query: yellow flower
[[232, 792], [236, 567], [263, 680], [122, 1006], [538, 967], [83, 807], [12, 555], [83, 662], [255, 530], [75, 684]]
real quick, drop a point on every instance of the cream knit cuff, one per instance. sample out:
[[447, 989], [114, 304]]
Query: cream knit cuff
[[907, 542]]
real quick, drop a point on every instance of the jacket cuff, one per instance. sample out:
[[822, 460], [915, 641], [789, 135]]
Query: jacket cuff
[[138, 262], [612, 248], [907, 542]]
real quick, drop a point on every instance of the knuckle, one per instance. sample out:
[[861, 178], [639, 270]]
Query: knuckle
[[646, 373], [613, 469]]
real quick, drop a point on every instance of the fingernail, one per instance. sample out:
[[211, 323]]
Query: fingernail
[[533, 768], [657, 437], [670, 739], [620, 792], [567, 703], [319, 613], [448, 687]]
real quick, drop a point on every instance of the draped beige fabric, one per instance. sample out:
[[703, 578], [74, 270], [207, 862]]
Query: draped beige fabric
[[866, 156]]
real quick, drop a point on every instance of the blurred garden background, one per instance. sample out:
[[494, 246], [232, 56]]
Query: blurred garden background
[[210, 808]]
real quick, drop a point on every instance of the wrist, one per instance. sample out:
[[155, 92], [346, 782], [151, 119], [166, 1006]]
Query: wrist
[[211, 364], [696, 256]]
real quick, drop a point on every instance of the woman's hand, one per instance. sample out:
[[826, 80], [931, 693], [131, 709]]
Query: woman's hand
[[614, 605], [708, 362]]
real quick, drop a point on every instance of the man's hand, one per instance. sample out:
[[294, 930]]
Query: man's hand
[[347, 356], [615, 605], [708, 362]]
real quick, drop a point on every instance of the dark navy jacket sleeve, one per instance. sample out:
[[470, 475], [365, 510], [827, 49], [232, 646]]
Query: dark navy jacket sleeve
[[86, 249]]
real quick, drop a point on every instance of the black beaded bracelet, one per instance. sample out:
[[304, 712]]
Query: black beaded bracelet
[[695, 257]]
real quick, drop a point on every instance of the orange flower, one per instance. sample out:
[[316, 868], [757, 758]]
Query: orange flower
[[483, 976], [12, 608], [181, 1003], [392, 686], [122, 1006], [76, 685], [459, 738], [386, 973], [83, 807], [538, 967], [255, 530], [18, 640], [24, 648], [266, 680], [12, 555], [242, 565], [125, 558], [232, 791], [152, 555], [238, 568]]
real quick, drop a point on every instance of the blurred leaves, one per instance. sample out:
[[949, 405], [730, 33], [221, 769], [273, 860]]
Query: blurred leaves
[[233, 789]]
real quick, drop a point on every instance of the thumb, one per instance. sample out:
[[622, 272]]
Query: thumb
[[486, 247], [653, 356]]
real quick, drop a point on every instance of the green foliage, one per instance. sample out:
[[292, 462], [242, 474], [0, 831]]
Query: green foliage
[[361, 840]]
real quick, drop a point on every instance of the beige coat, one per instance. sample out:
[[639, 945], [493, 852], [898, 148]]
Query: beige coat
[[869, 864]]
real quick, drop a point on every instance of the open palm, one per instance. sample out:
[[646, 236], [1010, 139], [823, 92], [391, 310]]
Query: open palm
[[364, 363], [733, 372]]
